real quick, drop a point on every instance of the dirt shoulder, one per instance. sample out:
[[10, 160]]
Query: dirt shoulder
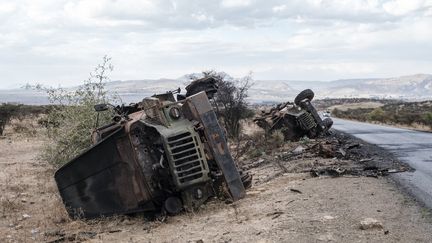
[[286, 203], [325, 210]]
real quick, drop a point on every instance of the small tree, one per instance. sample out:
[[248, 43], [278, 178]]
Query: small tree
[[73, 117], [231, 100]]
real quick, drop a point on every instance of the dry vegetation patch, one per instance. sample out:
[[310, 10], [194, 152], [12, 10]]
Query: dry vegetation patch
[[417, 115]]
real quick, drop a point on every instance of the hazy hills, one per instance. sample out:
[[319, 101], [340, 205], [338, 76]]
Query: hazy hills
[[413, 87]]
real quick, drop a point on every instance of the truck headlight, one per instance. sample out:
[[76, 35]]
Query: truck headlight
[[174, 113]]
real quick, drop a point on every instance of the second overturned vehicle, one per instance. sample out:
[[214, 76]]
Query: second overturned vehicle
[[295, 120], [162, 154]]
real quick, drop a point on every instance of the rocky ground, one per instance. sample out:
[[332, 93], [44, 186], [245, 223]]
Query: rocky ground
[[309, 191]]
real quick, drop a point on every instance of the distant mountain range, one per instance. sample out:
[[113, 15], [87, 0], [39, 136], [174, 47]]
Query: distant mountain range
[[413, 87]]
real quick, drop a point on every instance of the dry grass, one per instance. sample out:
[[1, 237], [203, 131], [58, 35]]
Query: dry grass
[[412, 115], [27, 127], [10, 205], [345, 107]]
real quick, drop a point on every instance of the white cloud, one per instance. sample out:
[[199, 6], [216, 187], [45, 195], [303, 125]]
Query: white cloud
[[279, 8], [235, 3], [60, 40], [201, 17], [403, 7], [113, 9], [7, 8]]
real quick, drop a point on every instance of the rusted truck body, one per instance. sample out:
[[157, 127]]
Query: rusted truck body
[[295, 120], [167, 155]]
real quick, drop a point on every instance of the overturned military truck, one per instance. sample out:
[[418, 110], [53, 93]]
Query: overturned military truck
[[160, 155], [295, 120]]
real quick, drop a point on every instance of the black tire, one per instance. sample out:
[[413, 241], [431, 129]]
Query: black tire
[[305, 94], [173, 205], [327, 123]]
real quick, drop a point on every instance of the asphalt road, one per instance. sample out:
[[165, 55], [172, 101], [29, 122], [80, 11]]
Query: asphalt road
[[412, 147]]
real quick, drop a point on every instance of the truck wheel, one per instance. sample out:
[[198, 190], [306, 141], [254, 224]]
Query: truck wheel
[[173, 205], [305, 94], [327, 123]]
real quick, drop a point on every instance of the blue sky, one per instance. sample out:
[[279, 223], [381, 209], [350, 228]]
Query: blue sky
[[58, 42]]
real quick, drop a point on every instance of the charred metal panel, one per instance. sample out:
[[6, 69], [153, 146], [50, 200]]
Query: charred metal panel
[[141, 137], [104, 180], [306, 121], [200, 109], [189, 166], [295, 120], [185, 153], [309, 107]]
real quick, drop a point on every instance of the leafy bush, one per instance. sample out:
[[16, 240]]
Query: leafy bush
[[336, 112], [376, 115], [428, 119], [360, 114], [258, 146], [72, 117]]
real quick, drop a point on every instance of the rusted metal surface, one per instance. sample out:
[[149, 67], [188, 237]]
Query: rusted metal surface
[[167, 156], [104, 180], [295, 120], [201, 110]]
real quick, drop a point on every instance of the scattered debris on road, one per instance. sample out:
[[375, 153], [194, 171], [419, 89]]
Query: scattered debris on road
[[337, 151]]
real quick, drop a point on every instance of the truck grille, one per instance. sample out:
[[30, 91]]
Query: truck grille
[[188, 164], [306, 121]]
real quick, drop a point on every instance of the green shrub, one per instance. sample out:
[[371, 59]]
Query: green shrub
[[336, 112], [376, 115], [72, 117], [360, 114], [428, 119]]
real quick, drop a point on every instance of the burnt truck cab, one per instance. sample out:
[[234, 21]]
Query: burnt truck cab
[[295, 120], [167, 155]]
